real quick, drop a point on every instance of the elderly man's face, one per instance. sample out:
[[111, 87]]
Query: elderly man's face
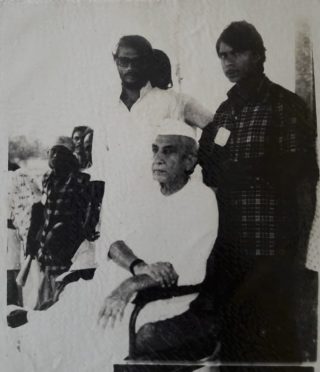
[[132, 67], [169, 161]]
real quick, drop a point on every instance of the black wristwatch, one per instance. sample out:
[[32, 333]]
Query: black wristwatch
[[134, 263]]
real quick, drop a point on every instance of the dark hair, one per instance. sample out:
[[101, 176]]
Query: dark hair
[[159, 70], [190, 149], [243, 36], [137, 42], [161, 76], [82, 129], [71, 162], [12, 166]]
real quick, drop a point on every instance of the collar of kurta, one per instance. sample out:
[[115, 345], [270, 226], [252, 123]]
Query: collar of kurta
[[143, 92]]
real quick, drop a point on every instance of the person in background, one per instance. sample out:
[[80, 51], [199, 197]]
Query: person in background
[[24, 192], [85, 257], [87, 146], [77, 136], [65, 199]]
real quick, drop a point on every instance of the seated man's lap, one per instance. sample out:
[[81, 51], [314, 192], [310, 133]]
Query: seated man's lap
[[183, 337]]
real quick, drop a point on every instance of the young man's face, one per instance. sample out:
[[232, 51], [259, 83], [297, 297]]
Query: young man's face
[[132, 67], [169, 163], [237, 66]]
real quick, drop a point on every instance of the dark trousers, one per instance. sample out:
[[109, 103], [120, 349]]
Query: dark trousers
[[184, 337], [265, 305]]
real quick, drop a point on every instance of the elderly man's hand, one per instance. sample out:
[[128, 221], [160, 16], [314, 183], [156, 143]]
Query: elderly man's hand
[[162, 272], [114, 305]]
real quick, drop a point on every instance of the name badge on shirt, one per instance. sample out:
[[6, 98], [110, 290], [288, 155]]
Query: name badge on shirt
[[222, 136]]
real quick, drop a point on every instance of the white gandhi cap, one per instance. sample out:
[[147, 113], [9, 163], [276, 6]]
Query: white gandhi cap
[[174, 127]]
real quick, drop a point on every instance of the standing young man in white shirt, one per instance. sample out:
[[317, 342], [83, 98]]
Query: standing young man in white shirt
[[121, 143]]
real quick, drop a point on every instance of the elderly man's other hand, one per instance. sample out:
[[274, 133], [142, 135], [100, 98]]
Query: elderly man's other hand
[[114, 305], [162, 272]]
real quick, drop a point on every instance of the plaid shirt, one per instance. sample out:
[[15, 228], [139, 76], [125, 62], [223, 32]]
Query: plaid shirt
[[65, 201], [269, 152]]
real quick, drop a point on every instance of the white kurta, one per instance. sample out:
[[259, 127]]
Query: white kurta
[[180, 229]]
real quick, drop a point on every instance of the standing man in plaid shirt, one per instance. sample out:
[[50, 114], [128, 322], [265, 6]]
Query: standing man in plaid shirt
[[259, 154]]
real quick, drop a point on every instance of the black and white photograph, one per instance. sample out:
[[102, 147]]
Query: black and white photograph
[[159, 182]]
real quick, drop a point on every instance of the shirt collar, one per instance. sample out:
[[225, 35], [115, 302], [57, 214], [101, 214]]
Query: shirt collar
[[143, 92], [252, 90]]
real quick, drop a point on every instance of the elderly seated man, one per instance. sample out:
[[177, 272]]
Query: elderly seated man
[[164, 238]]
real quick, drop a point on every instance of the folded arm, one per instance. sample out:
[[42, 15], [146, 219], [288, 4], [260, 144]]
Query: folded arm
[[161, 272]]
